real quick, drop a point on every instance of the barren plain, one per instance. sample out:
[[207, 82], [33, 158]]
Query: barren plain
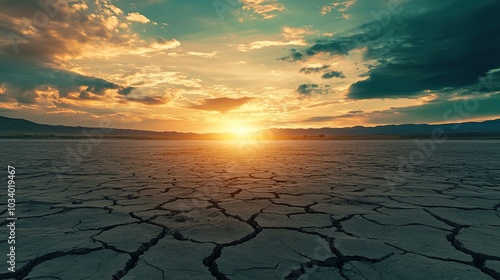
[[178, 210]]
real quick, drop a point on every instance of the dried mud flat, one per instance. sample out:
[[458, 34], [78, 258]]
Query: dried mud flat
[[274, 210]]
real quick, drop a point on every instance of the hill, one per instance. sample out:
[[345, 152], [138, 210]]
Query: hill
[[20, 128]]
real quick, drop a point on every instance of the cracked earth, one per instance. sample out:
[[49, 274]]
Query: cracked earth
[[272, 210]]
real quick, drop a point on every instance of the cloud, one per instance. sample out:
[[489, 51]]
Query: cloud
[[355, 112], [136, 17], [157, 78], [333, 74], [149, 100], [34, 55], [39, 84], [72, 31], [422, 60], [341, 7], [36, 78], [340, 46], [309, 70], [262, 44], [296, 33], [293, 37], [266, 9], [324, 104], [294, 56], [430, 50], [383, 26], [159, 44], [203, 54], [308, 89], [222, 104]]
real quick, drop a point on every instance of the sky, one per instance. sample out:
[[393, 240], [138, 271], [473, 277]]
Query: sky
[[223, 65]]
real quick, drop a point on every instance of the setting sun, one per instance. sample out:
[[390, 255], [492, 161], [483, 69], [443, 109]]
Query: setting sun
[[240, 131]]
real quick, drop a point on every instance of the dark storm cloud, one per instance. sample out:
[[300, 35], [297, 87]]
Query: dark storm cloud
[[442, 45], [22, 77], [309, 70], [340, 46], [364, 35], [308, 89], [222, 104], [333, 74], [448, 48]]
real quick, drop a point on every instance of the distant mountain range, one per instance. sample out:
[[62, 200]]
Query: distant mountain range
[[489, 128], [10, 127], [20, 128]]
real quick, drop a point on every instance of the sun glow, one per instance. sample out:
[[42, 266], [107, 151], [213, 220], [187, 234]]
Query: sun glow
[[241, 131]]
